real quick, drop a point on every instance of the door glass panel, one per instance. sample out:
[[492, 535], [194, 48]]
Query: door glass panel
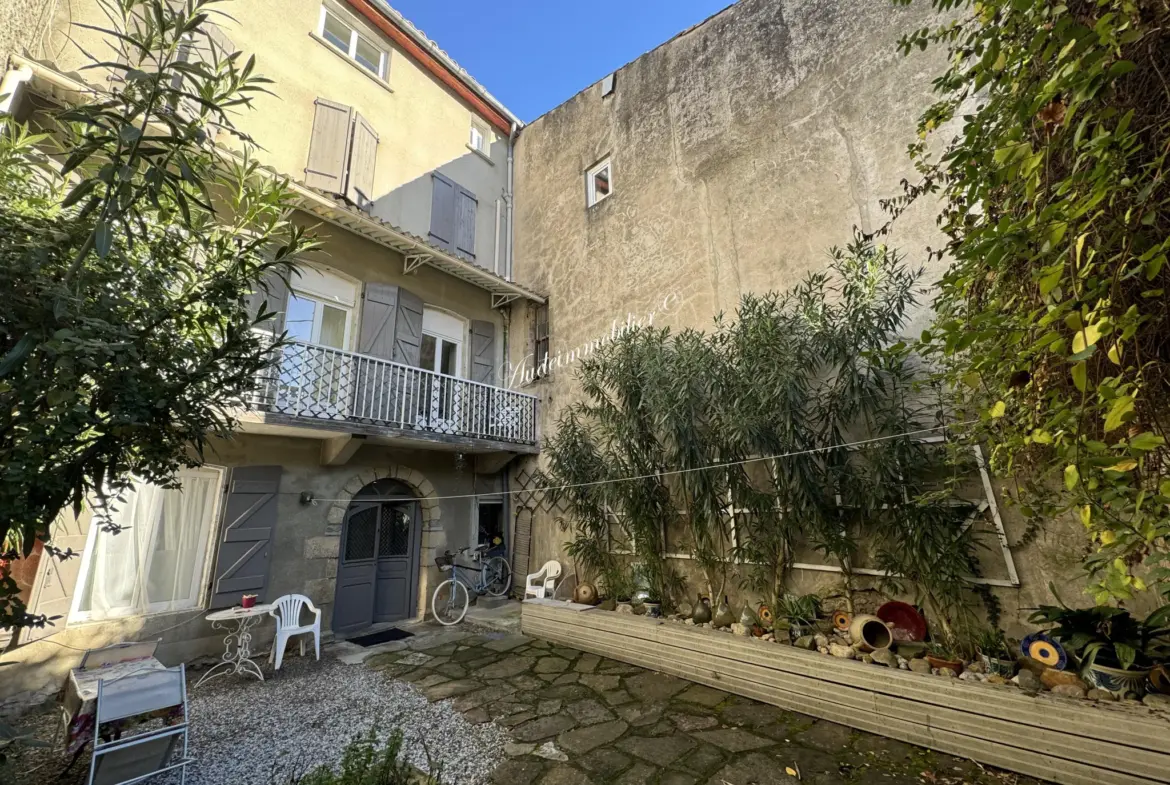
[[332, 327], [393, 532], [427, 353], [298, 319], [450, 353], [491, 523], [360, 533]]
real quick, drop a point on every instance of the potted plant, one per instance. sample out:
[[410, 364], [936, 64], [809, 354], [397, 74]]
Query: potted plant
[[940, 656], [653, 605], [1115, 650], [800, 612], [996, 652]]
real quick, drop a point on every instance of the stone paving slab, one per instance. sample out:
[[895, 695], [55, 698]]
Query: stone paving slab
[[579, 719]]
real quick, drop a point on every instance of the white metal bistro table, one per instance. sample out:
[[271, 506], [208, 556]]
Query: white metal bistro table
[[237, 644]]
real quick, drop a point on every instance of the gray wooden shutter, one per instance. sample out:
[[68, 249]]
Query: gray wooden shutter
[[465, 224], [56, 584], [443, 193], [271, 295], [408, 328], [377, 389], [329, 147], [483, 352], [250, 510], [363, 152], [379, 302]]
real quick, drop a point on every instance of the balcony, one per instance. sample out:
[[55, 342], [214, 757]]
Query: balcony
[[340, 391]]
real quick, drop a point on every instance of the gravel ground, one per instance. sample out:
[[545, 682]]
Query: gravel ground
[[246, 732]]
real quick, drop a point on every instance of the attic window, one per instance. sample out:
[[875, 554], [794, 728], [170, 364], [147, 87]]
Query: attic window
[[607, 85], [598, 182]]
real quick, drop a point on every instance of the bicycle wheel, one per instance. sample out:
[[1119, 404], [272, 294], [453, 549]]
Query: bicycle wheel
[[498, 576], [449, 602]]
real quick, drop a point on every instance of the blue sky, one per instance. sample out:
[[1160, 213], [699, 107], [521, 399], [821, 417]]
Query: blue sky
[[536, 54]]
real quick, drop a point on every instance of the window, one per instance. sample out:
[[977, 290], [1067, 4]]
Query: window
[[157, 561], [599, 182], [479, 138], [352, 44], [319, 308], [540, 340], [489, 522]]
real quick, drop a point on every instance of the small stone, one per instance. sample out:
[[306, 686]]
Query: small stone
[[905, 666], [920, 666], [1069, 690], [549, 751], [975, 667], [946, 673], [995, 678], [1028, 681], [823, 649], [1052, 678], [1156, 701], [739, 630], [821, 641], [866, 658], [844, 652], [514, 750], [884, 657], [966, 676], [689, 621], [1100, 695], [806, 642]]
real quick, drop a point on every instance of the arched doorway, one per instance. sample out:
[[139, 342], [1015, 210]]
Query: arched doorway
[[377, 569]]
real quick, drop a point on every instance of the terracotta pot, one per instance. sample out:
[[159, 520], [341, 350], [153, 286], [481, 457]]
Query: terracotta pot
[[585, 594], [869, 633], [940, 663]]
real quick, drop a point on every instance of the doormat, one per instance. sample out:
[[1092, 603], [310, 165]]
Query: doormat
[[385, 636]]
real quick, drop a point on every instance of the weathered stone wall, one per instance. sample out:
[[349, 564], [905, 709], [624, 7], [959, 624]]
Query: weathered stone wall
[[22, 22], [742, 150]]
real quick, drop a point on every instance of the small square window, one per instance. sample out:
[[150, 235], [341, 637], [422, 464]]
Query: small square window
[[344, 37], [599, 182], [336, 32], [368, 56], [478, 139]]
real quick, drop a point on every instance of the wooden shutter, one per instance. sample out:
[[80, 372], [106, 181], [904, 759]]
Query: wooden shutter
[[408, 328], [377, 388], [363, 151], [483, 352], [329, 147], [270, 294], [443, 193], [250, 510], [379, 302], [56, 581], [465, 223]]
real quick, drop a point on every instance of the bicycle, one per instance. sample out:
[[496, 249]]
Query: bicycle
[[452, 596]]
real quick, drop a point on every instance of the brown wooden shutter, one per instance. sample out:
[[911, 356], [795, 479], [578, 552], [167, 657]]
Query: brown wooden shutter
[[443, 193], [465, 206], [329, 147], [483, 352], [408, 328], [363, 152], [250, 511]]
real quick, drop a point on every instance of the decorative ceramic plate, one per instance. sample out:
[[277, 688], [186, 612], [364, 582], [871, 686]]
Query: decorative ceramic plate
[[842, 620], [904, 620], [1043, 649]]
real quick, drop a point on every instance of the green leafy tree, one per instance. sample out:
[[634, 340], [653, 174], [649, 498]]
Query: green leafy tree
[[1052, 325], [130, 252]]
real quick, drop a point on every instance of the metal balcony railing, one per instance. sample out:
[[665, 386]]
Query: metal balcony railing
[[329, 384]]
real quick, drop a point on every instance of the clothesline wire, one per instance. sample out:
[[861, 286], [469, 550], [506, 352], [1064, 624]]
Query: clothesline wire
[[669, 473]]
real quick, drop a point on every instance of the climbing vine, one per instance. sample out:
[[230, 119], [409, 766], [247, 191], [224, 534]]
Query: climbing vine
[[1052, 320]]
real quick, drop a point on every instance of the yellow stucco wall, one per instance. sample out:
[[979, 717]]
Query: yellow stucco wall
[[422, 125]]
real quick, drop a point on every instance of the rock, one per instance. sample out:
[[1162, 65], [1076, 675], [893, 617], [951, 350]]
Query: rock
[[995, 678], [1100, 695], [806, 642], [920, 666], [689, 621], [844, 652], [821, 641], [975, 667], [1037, 667], [739, 629], [867, 659], [884, 657], [904, 666], [1028, 681], [823, 649], [549, 750], [967, 676], [1069, 690], [1156, 701], [1052, 678], [514, 750], [946, 673]]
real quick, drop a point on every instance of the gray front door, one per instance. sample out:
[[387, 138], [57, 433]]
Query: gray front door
[[377, 574]]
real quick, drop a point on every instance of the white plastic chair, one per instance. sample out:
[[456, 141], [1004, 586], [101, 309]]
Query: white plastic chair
[[287, 612], [542, 584]]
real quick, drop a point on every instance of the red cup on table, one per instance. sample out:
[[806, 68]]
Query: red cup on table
[[249, 601]]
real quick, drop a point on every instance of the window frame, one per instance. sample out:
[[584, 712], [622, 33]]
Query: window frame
[[540, 318], [488, 499], [319, 305], [200, 579], [591, 197], [383, 70], [484, 143]]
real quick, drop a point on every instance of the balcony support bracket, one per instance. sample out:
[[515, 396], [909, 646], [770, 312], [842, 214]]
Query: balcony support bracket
[[500, 300], [338, 450], [412, 262]]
